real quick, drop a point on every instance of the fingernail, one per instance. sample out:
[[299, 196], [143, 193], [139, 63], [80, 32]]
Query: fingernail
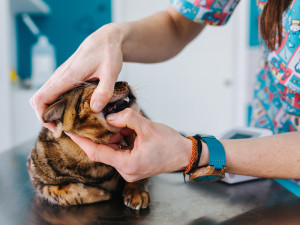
[[97, 106], [111, 117]]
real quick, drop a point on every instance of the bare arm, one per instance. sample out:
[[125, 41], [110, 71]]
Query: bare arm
[[158, 37], [159, 149], [276, 156], [153, 39]]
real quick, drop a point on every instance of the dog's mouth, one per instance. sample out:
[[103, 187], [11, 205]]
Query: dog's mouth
[[119, 103]]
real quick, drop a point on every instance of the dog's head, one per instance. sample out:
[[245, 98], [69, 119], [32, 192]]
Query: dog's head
[[72, 112]]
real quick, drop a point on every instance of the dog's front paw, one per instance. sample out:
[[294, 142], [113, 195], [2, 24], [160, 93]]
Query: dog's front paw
[[136, 197]]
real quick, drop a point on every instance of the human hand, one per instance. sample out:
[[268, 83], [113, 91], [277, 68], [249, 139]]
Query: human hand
[[156, 148], [98, 57]]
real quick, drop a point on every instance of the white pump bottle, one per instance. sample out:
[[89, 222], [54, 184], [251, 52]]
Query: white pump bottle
[[43, 61]]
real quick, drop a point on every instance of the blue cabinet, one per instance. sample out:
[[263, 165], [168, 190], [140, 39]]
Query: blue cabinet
[[68, 24]]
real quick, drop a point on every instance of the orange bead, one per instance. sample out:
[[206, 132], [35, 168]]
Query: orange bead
[[193, 156]]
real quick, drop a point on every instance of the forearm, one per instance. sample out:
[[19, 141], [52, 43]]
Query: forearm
[[158, 37], [276, 156]]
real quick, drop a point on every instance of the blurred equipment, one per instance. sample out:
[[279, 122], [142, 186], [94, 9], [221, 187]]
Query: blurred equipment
[[13, 75], [43, 60], [240, 133], [30, 24]]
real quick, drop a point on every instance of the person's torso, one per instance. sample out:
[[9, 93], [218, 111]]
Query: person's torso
[[276, 104]]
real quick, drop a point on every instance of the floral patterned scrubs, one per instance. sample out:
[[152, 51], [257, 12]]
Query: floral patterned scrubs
[[276, 103]]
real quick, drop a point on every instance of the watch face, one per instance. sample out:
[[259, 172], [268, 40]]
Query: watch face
[[207, 174], [207, 179]]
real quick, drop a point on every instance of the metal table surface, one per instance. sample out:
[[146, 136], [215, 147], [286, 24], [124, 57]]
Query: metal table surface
[[173, 201]]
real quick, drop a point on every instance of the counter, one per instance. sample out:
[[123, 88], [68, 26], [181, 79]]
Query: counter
[[173, 201]]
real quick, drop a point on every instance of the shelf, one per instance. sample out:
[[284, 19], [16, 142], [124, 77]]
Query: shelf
[[29, 6]]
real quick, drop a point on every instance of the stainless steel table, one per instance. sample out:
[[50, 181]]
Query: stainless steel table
[[173, 202]]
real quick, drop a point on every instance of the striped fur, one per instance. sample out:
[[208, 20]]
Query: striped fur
[[59, 169]]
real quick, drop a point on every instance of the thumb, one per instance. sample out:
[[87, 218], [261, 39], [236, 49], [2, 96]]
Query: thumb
[[99, 152], [127, 118]]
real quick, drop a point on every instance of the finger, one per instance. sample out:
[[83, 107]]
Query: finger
[[126, 131], [104, 90], [114, 146], [127, 118], [51, 91], [38, 111], [100, 153], [53, 82]]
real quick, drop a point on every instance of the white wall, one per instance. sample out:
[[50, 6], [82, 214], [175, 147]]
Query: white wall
[[195, 91], [18, 121], [5, 117]]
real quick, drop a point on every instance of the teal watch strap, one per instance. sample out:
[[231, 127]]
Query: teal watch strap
[[217, 157]]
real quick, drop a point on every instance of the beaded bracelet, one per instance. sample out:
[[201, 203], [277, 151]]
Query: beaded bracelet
[[193, 155], [199, 145]]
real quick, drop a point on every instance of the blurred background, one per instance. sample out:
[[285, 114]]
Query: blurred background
[[204, 89]]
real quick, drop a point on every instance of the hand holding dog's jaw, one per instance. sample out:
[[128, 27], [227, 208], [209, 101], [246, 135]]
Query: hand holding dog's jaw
[[156, 148]]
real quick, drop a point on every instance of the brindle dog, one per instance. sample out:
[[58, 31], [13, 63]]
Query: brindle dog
[[59, 169]]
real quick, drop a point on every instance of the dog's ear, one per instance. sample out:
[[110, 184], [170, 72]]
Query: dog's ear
[[55, 111]]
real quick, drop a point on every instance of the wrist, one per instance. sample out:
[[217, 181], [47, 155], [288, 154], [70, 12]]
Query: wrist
[[213, 164], [124, 30], [112, 34], [204, 156], [123, 34], [187, 151]]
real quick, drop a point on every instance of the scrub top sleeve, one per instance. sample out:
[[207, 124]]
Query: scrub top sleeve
[[210, 12]]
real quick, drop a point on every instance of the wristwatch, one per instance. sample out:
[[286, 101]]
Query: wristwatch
[[216, 165]]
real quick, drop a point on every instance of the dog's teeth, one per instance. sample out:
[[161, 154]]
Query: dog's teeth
[[126, 99]]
